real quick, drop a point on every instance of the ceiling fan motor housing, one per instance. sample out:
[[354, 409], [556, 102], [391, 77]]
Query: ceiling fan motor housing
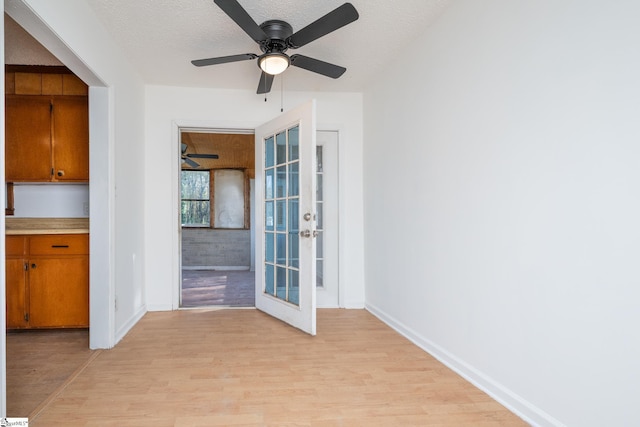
[[277, 33]]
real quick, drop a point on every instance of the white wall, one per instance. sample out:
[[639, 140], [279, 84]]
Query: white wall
[[51, 200], [76, 37], [502, 202], [168, 107]]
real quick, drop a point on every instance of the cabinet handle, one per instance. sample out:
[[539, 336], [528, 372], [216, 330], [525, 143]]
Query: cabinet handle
[[61, 172], [33, 265], [59, 246]]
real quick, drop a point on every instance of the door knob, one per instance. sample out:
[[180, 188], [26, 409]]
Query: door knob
[[308, 233]]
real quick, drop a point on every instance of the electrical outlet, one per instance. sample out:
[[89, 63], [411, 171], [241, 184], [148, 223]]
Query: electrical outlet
[[85, 208]]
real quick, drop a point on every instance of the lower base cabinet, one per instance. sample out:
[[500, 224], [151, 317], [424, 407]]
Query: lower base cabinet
[[47, 281], [17, 313]]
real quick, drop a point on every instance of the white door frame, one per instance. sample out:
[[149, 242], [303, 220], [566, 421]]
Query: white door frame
[[177, 298], [179, 126], [102, 190], [246, 127]]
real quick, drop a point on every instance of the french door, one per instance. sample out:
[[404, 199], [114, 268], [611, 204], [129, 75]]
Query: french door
[[285, 186], [327, 247]]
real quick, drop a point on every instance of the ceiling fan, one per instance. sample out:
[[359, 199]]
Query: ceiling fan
[[275, 37], [186, 157]]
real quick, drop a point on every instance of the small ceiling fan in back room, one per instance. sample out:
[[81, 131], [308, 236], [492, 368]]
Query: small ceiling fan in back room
[[186, 157], [275, 37]]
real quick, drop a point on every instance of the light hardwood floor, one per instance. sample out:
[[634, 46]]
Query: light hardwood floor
[[39, 362], [242, 367]]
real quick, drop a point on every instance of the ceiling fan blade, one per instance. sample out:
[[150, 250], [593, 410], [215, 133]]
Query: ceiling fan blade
[[264, 86], [330, 22], [203, 156], [190, 162], [317, 66], [223, 59], [242, 18]]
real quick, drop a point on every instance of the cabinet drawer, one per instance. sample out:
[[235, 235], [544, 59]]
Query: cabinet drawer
[[16, 245], [59, 244]]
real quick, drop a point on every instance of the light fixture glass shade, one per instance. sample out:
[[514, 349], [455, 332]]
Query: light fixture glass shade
[[273, 63]]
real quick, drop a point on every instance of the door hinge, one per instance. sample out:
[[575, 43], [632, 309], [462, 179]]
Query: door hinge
[[26, 317]]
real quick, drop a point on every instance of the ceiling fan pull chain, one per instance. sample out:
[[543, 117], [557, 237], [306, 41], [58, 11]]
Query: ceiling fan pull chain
[[281, 93]]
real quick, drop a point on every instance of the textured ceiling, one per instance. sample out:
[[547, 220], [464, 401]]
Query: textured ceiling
[[161, 37]]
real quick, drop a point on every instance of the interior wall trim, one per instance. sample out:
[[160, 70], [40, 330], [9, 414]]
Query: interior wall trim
[[512, 401]]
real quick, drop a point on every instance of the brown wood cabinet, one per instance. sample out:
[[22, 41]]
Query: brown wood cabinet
[[47, 281], [16, 282], [46, 138]]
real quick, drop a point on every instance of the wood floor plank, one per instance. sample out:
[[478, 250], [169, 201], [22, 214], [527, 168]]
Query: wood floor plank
[[244, 368], [39, 362]]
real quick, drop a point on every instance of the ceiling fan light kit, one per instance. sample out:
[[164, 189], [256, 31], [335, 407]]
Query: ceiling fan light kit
[[274, 63], [275, 37]]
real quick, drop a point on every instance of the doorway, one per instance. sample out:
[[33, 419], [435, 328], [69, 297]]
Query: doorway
[[217, 169], [27, 349], [228, 279]]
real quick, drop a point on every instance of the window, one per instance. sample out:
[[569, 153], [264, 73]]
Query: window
[[214, 198], [195, 206]]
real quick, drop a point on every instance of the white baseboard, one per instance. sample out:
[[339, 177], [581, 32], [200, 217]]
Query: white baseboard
[[159, 307], [516, 404], [216, 267], [354, 304], [120, 333]]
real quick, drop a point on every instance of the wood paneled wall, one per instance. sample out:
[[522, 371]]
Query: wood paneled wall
[[235, 151]]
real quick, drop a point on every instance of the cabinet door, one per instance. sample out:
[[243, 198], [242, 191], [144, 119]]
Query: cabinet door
[[71, 138], [59, 292], [28, 138], [16, 293]]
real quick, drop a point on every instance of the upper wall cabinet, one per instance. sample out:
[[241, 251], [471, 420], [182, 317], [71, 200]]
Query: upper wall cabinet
[[46, 128], [27, 138], [52, 82], [70, 141], [47, 138]]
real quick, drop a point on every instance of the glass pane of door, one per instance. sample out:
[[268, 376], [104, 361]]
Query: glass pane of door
[[319, 216], [281, 168]]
